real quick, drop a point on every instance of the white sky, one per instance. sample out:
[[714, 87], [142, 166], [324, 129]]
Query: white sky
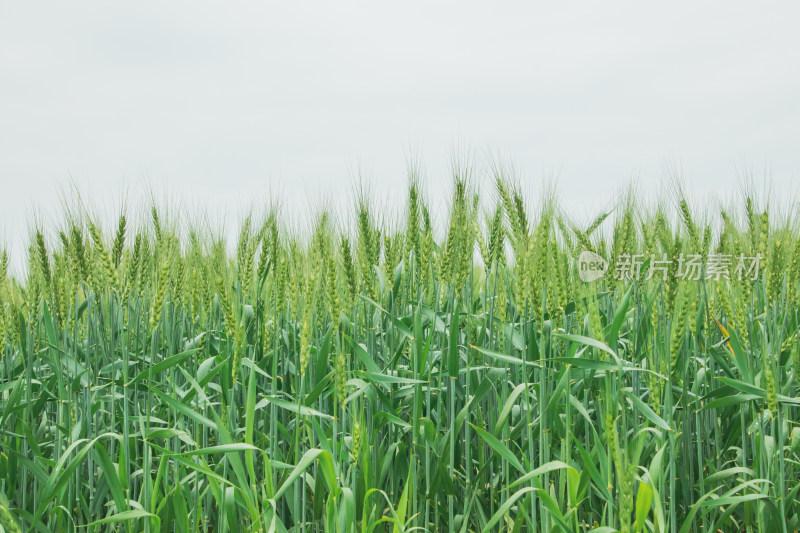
[[224, 102]]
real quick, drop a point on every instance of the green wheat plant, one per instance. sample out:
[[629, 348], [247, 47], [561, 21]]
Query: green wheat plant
[[382, 375]]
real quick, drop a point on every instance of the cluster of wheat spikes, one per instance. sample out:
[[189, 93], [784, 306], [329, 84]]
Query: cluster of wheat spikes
[[375, 377]]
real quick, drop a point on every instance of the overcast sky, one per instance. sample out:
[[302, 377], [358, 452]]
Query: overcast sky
[[222, 103]]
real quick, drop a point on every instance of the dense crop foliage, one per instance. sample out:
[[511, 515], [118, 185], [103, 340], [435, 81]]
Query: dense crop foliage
[[378, 377]]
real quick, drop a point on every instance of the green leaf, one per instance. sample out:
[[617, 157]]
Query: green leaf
[[505, 358], [646, 411], [507, 407], [124, 516], [503, 509], [644, 499], [403, 505], [402, 328], [222, 448], [162, 365], [544, 469], [293, 407], [588, 341], [384, 378], [326, 466], [499, 447], [619, 317]]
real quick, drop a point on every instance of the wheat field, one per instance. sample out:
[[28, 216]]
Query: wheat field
[[381, 375]]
